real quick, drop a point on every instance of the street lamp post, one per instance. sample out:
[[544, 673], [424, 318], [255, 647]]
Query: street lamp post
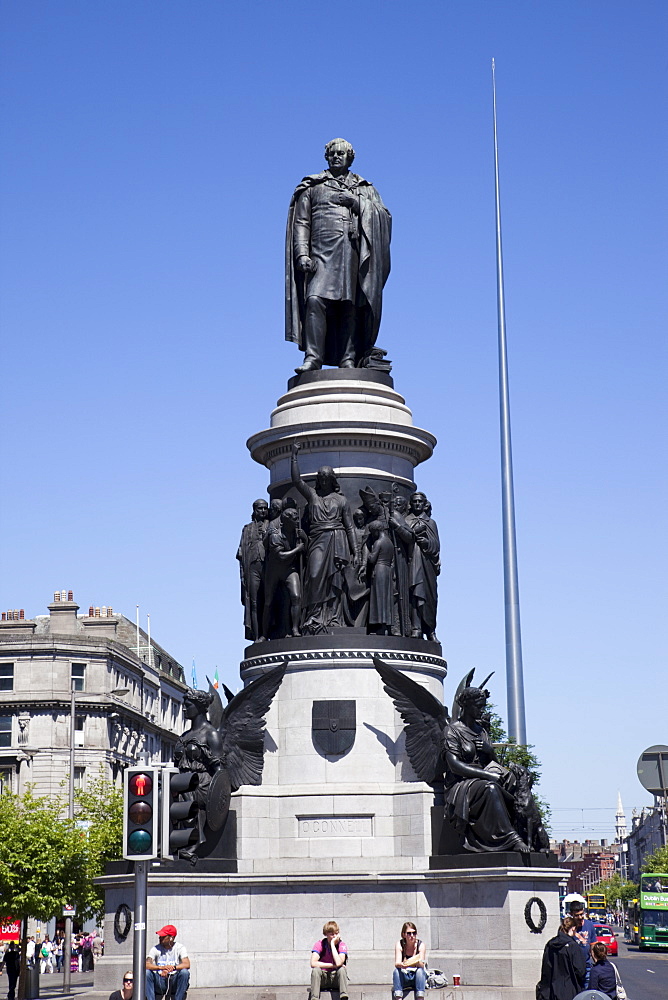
[[67, 949]]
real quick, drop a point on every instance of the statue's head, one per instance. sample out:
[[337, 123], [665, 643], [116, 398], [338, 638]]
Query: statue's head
[[370, 501], [275, 508], [400, 503], [290, 517], [418, 502], [359, 519], [195, 701], [260, 510], [473, 699], [325, 479], [375, 528], [339, 153]]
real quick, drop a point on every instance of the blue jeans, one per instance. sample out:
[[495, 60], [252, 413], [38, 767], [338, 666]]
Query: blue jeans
[[409, 979], [156, 985]]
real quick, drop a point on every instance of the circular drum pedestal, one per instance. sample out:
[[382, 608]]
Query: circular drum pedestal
[[350, 419]]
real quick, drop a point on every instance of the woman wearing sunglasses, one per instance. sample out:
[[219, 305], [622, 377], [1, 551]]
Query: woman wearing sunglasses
[[410, 955], [128, 986]]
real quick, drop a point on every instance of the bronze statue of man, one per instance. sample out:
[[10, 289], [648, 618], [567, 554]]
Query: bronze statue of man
[[251, 555], [337, 262]]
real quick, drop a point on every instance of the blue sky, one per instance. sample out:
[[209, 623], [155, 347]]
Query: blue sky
[[150, 150]]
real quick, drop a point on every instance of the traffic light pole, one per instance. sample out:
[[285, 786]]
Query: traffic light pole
[[139, 938]]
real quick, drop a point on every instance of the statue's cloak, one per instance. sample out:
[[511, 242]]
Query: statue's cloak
[[375, 231]]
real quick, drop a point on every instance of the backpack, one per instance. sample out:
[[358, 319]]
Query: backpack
[[435, 979]]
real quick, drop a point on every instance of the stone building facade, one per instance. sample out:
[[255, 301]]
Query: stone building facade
[[97, 654], [649, 832]]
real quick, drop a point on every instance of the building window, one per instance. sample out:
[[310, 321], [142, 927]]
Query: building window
[[78, 676], [6, 676], [79, 723], [5, 730], [5, 779], [79, 778]]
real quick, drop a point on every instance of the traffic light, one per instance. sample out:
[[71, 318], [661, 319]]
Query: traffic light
[[180, 811], [140, 813]]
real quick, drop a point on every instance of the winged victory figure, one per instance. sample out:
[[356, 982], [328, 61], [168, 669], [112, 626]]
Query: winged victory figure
[[490, 804], [224, 746]]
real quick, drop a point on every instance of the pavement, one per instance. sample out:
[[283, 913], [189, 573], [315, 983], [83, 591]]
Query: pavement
[[82, 989]]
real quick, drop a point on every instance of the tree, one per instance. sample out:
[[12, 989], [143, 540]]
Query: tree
[[42, 861], [657, 862], [616, 888], [100, 807], [43, 857], [47, 860]]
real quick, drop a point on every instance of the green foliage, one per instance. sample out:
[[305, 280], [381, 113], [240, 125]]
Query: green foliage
[[100, 806], [47, 860], [518, 754], [657, 862], [43, 857], [615, 888]]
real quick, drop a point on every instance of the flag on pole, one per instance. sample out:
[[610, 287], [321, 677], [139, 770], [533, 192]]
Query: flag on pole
[[194, 680], [215, 679]]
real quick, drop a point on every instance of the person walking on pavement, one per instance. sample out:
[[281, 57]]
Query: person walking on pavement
[[603, 976], [58, 951], [585, 933], [13, 966], [563, 969]]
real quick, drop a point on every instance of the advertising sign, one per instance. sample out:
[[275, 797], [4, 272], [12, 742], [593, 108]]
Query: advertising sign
[[654, 892], [10, 930]]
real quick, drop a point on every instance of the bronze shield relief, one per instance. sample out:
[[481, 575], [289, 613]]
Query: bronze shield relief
[[333, 726]]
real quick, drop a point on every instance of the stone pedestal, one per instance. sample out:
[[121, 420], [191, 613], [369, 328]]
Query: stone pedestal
[[352, 812], [351, 419], [257, 930]]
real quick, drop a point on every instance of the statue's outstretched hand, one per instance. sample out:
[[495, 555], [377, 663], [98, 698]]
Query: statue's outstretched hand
[[296, 447]]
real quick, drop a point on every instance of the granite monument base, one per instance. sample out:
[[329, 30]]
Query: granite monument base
[[241, 930]]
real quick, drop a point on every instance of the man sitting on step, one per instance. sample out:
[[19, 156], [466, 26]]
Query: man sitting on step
[[328, 963], [167, 967]]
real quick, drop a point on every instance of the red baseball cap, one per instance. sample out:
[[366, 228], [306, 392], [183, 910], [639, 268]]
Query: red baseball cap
[[167, 929]]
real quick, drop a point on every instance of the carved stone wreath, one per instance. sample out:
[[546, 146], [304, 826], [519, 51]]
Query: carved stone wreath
[[528, 916], [122, 921]]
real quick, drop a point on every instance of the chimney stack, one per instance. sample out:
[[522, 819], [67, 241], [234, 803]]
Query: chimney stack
[[64, 613]]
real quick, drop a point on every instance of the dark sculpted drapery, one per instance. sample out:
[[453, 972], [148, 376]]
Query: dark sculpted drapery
[[423, 569], [365, 257], [478, 808]]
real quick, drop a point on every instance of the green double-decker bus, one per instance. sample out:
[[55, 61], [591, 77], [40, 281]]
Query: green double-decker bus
[[653, 916]]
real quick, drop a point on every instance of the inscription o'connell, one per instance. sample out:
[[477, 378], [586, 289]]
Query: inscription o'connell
[[335, 826]]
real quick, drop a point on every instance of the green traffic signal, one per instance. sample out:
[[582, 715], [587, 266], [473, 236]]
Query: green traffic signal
[[140, 842]]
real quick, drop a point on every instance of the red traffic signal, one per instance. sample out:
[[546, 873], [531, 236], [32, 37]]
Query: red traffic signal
[[141, 784]]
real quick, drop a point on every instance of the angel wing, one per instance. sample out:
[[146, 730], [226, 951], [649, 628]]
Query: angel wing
[[215, 713], [242, 728], [425, 719]]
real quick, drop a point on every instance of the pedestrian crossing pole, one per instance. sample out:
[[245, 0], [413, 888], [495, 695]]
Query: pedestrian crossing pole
[[139, 935]]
